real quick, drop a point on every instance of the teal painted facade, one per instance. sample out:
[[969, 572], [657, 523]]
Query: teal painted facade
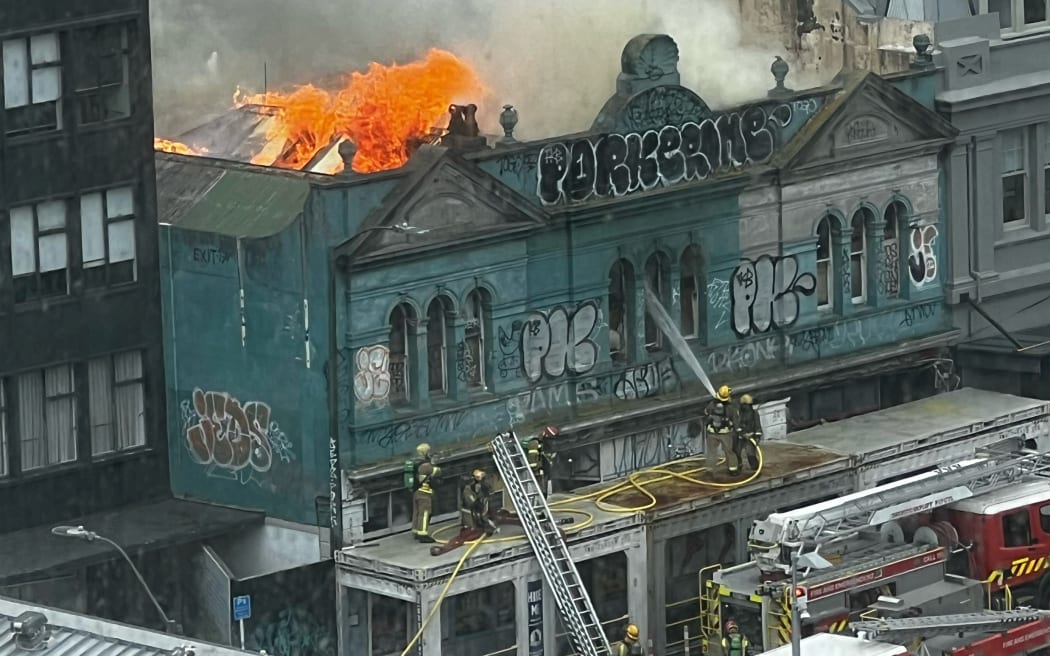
[[514, 309]]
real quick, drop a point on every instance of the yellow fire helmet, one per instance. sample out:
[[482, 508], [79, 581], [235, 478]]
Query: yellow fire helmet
[[746, 399], [632, 632], [724, 393], [423, 450], [479, 475]]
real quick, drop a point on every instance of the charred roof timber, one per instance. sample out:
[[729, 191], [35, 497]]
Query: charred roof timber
[[31, 631], [463, 133]]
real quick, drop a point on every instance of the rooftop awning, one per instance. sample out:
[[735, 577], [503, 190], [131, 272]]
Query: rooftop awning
[[35, 553]]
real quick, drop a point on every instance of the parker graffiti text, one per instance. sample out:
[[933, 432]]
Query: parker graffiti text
[[614, 165]]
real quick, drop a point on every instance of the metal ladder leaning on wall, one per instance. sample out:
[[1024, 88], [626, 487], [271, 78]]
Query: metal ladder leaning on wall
[[989, 620], [574, 604]]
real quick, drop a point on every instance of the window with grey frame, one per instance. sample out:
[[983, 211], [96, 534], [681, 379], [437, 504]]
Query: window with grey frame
[[47, 417], [858, 254], [116, 403], [100, 73], [39, 250], [471, 359], [3, 430], [1014, 175], [438, 333], [32, 84], [107, 236], [691, 291], [825, 265], [1018, 15]]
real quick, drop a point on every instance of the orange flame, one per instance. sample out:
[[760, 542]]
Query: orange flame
[[169, 146], [382, 111]]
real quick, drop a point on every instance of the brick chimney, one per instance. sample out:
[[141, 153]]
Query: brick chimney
[[463, 134]]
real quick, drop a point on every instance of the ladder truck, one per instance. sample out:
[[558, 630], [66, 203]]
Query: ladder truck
[[1018, 632], [910, 546]]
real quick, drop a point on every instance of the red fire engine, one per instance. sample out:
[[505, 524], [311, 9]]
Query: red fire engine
[[937, 543]]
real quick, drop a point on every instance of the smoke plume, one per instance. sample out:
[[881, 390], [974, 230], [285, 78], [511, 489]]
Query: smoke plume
[[556, 61]]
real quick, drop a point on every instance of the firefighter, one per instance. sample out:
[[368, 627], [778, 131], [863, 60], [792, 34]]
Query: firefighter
[[749, 432], [629, 646], [423, 473], [734, 643], [541, 457], [720, 432], [474, 504]]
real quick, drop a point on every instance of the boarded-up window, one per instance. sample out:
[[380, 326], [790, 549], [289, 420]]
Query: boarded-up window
[[107, 236], [116, 403], [32, 84], [39, 250], [47, 420]]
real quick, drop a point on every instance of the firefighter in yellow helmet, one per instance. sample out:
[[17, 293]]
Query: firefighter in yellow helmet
[[474, 504], [630, 645], [541, 457], [734, 643], [423, 473], [749, 432], [719, 426]]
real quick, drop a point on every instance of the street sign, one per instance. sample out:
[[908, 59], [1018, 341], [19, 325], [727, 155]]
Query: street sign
[[242, 608]]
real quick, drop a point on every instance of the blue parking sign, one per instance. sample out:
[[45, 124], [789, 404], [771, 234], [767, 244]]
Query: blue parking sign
[[242, 608]]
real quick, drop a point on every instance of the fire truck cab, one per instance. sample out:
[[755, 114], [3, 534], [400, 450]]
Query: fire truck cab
[[1003, 537]]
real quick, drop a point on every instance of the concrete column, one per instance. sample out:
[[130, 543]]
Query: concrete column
[[876, 263], [637, 318], [657, 592], [352, 611], [457, 386], [960, 220], [638, 590], [550, 621], [988, 216], [841, 278], [524, 606], [430, 641], [419, 395]]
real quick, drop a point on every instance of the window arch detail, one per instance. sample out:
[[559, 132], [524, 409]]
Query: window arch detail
[[657, 279], [621, 309], [896, 217], [402, 326], [439, 339], [471, 356], [692, 295], [858, 255], [825, 263]]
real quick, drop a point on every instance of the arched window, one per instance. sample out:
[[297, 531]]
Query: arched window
[[438, 333], [690, 291], [401, 320], [656, 275], [895, 216], [621, 295], [471, 360], [824, 264], [858, 248]]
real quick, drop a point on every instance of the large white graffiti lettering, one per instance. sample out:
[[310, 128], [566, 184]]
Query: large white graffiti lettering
[[650, 379], [372, 379], [615, 165], [555, 342], [765, 294], [232, 440], [922, 259]]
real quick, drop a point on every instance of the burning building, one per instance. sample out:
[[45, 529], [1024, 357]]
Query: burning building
[[381, 115], [461, 291]]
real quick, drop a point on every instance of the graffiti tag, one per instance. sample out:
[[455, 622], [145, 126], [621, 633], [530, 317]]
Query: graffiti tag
[[372, 382], [233, 440], [922, 260], [555, 342], [615, 165], [765, 294]]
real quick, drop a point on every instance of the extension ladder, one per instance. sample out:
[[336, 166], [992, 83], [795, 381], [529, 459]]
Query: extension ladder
[[991, 472], [989, 620], [574, 604]]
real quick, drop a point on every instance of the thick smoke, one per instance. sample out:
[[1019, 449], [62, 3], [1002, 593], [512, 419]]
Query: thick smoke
[[556, 61]]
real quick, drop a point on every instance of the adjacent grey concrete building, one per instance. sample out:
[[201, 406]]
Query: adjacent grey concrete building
[[996, 90]]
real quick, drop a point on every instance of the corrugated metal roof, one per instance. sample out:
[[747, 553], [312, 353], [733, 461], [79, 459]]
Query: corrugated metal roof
[[72, 634], [200, 194]]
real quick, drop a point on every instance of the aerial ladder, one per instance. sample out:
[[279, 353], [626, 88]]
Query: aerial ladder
[[574, 604], [774, 538], [989, 621]]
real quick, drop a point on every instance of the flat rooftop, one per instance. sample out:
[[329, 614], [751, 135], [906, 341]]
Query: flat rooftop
[[918, 425], [597, 510]]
